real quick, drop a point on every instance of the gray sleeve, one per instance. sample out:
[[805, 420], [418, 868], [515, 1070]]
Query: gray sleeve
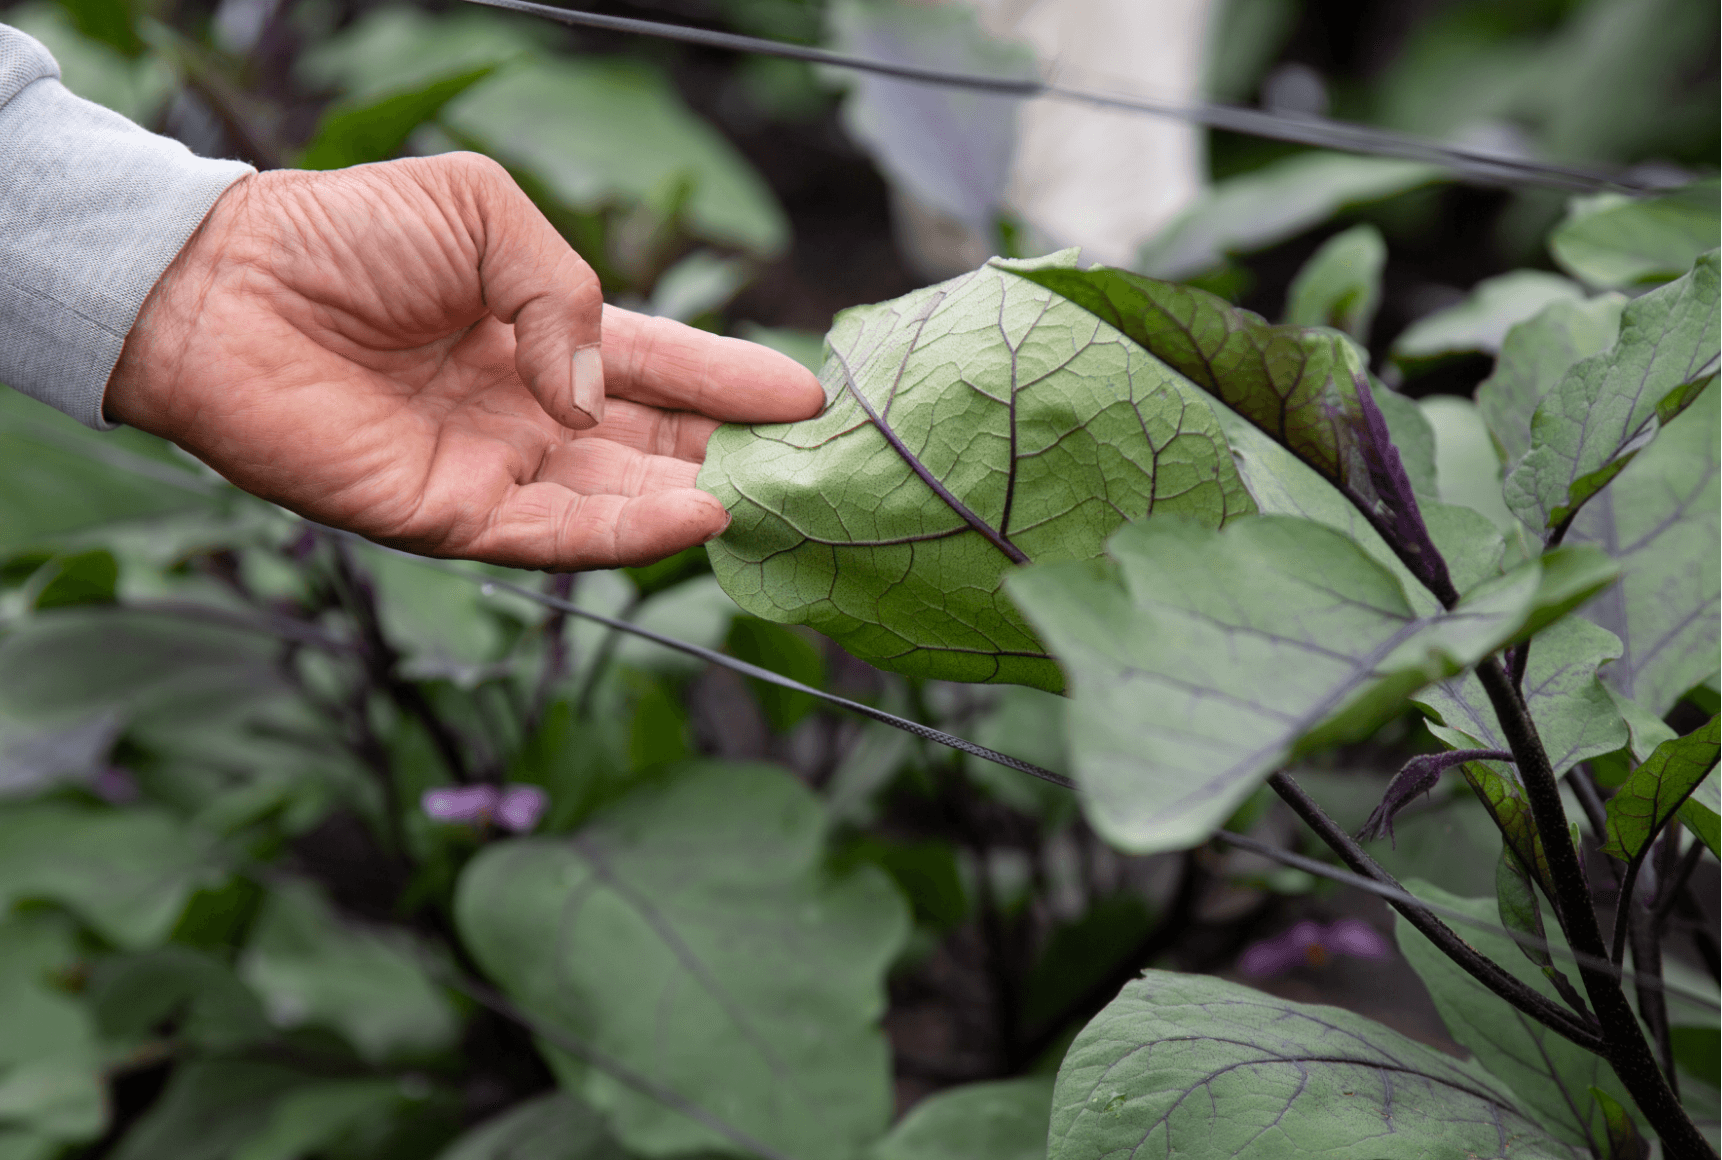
[[92, 211]]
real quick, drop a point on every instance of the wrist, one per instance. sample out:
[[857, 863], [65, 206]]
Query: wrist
[[140, 391]]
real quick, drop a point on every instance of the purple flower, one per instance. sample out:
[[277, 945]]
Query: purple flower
[[116, 786], [521, 807], [1312, 944], [467, 803], [516, 808]]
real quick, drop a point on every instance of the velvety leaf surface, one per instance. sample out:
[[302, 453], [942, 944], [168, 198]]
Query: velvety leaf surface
[[1573, 712], [950, 148], [1202, 1069], [1661, 520], [973, 424], [1617, 241], [1277, 201], [128, 873], [1657, 788], [556, 1126], [1340, 285], [1534, 358], [1002, 1120], [1482, 320], [367, 984], [1609, 406], [1551, 1076], [690, 933], [1306, 388], [1199, 661]]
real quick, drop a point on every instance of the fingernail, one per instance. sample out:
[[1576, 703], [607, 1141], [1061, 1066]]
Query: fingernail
[[589, 383], [726, 522]]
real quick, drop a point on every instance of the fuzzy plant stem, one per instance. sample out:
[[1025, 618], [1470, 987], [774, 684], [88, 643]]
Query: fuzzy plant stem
[[1623, 1041], [1480, 967]]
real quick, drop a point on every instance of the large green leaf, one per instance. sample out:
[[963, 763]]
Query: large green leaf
[[1200, 660], [1275, 202], [1533, 359], [1551, 1076], [1203, 1069], [51, 1088], [1340, 285], [620, 134], [555, 1126], [1483, 318], [1001, 1120], [1608, 407], [1307, 388], [1661, 520], [367, 983], [690, 933], [972, 424], [1612, 240], [1574, 714], [1657, 788], [127, 873]]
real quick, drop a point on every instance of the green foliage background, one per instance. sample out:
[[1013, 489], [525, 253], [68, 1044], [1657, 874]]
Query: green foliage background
[[745, 924]]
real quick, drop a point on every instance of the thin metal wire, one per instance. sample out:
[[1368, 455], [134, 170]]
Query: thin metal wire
[[1285, 857], [1471, 164], [926, 732]]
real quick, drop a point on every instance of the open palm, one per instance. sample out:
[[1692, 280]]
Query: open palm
[[411, 352]]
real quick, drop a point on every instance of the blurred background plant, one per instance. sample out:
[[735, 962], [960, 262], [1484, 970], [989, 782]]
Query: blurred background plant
[[235, 924]]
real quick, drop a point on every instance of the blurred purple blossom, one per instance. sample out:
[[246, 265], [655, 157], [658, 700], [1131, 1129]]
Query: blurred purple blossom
[[1312, 944], [115, 786], [521, 807], [516, 808], [467, 803]]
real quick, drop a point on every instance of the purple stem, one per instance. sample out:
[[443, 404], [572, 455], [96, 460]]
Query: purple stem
[[1419, 776]]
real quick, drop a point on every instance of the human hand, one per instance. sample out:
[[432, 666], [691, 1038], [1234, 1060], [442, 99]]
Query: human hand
[[411, 352]]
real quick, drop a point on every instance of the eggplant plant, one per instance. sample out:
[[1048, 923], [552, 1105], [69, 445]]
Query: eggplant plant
[[1230, 546]]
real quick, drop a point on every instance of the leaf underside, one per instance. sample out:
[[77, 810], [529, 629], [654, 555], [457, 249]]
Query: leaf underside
[[973, 425], [1551, 1076], [1202, 1069], [1661, 520], [1181, 659]]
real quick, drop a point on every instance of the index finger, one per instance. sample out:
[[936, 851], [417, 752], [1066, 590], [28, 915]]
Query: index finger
[[662, 363]]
